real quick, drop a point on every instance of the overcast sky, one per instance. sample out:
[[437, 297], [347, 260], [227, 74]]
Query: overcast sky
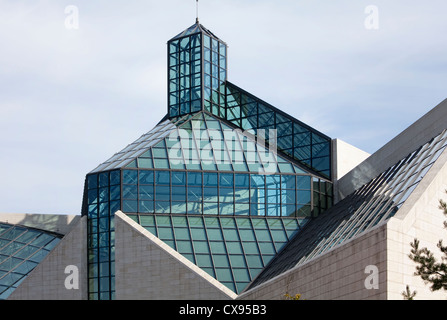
[[71, 98]]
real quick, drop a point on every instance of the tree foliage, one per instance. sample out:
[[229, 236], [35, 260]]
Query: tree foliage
[[288, 296], [408, 295]]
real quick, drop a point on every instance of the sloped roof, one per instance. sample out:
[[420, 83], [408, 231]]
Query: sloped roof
[[373, 204], [170, 136], [21, 250], [195, 28]]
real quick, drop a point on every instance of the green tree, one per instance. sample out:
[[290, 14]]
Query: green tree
[[428, 267]]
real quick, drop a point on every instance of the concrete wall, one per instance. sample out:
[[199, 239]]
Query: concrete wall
[[427, 127], [421, 218], [346, 157], [47, 280], [336, 275], [148, 269]]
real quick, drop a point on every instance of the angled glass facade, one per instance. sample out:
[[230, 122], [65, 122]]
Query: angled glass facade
[[225, 179], [21, 250], [294, 138]]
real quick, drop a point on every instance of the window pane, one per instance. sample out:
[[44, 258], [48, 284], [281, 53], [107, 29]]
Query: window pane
[[226, 180], [179, 178], [200, 246], [194, 179], [146, 207], [242, 181], [215, 234], [303, 182], [250, 247], [130, 177], [195, 194], [178, 207], [210, 179], [162, 178], [234, 247], [217, 247], [162, 193], [221, 261], [179, 194]]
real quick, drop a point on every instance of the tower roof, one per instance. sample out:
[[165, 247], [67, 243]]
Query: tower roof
[[195, 28]]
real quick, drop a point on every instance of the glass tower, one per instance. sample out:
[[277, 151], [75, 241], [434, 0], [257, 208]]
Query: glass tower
[[225, 179], [197, 70]]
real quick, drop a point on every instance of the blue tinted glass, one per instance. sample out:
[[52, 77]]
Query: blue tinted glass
[[178, 193], [273, 182], [226, 180], [162, 207], [226, 195], [195, 193], [115, 178], [146, 192], [173, 46], [303, 182], [92, 196], [146, 207], [130, 177], [207, 41], [114, 207], [162, 178], [162, 193], [288, 196], [242, 180], [130, 192], [210, 179], [185, 43], [104, 179], [303, 196], [146, 177], [210, 194], [242, 195], [179, 207], [130, 206], [288, 182], [258, 181], [92, 181], [179, 178], [226, 208], [194, 179]]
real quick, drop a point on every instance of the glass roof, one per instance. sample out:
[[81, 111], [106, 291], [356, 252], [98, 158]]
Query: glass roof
[[294, 138], [21, 250], [371, 205], [195, 28], [200, 142], [231, 249]]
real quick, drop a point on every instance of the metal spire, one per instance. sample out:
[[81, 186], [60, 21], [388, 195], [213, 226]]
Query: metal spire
[[197, 11]]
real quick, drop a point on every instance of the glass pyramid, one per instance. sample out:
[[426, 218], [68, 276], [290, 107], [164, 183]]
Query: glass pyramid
[[219, 196], [194, 29]]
